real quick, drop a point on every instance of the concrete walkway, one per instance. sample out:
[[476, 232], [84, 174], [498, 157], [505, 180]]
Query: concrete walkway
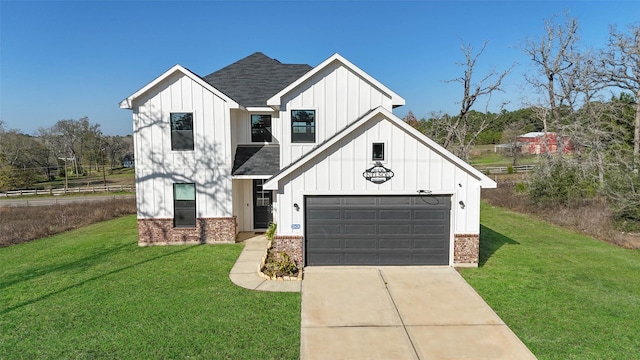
[[399, 313], [245, 271]]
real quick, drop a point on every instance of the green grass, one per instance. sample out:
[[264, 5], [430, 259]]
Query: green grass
[[567, 296], [93, 293]]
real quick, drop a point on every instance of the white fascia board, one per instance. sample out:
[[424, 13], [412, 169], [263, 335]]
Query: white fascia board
[[485, 181], [260, 109], [250, 177], [128, 102], [396, 100]]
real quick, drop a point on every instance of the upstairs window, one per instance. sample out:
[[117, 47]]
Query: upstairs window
[[261, 128], [184, 205], [377, 151], [181, 131], [303, 126]]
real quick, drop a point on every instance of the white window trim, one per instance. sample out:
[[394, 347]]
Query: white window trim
[[290, 125]]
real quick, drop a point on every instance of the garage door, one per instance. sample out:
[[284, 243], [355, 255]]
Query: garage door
[[377, 230]]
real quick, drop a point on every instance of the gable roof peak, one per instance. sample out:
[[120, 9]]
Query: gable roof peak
[[255, 78], [396, 100]]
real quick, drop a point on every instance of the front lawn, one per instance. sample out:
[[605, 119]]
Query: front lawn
[[93, 293], [566, 295]]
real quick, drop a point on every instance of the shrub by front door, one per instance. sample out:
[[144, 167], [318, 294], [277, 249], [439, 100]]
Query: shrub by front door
[[262, 205]]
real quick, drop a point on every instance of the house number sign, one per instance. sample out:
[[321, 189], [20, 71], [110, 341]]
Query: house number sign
[[378, 174]]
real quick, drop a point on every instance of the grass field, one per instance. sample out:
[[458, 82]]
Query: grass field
[[567, 296], [123, 176], [93, 293]]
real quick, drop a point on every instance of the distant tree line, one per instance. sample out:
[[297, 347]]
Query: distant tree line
[[77, 147], [589, 95]]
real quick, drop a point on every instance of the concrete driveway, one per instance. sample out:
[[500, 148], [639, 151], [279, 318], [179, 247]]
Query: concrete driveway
[[399, 313]]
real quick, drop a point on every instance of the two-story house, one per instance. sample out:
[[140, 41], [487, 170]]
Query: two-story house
[[316, 150]]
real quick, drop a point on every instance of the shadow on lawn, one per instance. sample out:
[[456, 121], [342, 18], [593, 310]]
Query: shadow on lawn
[[66, 288], [490, 242]]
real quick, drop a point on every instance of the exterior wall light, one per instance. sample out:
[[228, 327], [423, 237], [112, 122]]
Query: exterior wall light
[[461, 203], [296, 206]]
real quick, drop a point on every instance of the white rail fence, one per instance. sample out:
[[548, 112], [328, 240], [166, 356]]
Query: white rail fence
[[77, 190], [505, 169]]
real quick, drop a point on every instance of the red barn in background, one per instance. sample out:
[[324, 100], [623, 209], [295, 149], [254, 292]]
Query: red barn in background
[[534, 143]]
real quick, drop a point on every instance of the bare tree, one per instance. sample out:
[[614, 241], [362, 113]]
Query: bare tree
[[554, 54], [467, 125], [510, 139], [621, 64]]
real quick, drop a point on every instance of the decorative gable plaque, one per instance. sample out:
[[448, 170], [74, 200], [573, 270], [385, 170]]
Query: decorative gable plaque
[[378, 174]]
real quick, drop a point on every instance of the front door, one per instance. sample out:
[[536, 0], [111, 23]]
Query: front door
[[262, 204]]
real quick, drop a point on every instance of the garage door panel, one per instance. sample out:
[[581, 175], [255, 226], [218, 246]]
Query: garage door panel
[[325, 214], [326, 244], [389, 214], [430, 230], [403, 201], [377, 230], [327, 201], [431, 244], [360, 258], [325, 258], [359, 229], [358, 200], [324, 229], [403, 244], [360, 214], [430, 214], [391, 229], [431, 259], [359, 243], [395, 259]]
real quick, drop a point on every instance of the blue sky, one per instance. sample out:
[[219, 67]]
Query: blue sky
[[69, 59]]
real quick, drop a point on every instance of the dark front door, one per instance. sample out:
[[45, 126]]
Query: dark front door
[[262, 203], [377, 230]]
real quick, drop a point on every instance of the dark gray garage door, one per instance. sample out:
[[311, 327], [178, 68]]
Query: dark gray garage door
[[377, 230]]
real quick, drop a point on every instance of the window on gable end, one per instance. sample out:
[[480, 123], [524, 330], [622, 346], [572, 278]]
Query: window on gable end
[[377, 151], [303, 126], [181, 131]]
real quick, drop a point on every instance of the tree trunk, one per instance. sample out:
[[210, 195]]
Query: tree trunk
[[636, 135]]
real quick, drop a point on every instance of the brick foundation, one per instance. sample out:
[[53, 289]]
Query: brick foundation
[[290, 244], [207, 231], [466, 250]]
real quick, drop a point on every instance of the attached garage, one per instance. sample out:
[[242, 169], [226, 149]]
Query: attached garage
[[378, 193], [377, 230]]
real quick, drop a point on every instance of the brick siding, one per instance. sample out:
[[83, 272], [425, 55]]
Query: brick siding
[[466, 250], [207, 231], [290, 244]]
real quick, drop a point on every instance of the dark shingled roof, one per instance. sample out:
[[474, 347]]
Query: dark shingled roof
[[253, 80], [256, 160]]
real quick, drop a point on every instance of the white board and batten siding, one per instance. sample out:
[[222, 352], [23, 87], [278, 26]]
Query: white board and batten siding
[[416, 166], [158, 167], [338, 95]]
